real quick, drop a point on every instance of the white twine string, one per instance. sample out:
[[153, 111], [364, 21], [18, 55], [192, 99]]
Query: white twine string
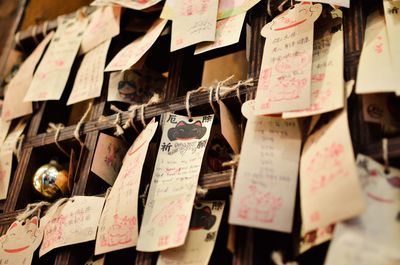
[[81, 121], [233, 165], [144, 195], [269, 8], [277, 258], [17, 39], [280, 7], [131, 118], [142, 115], [117, 123], [385, 155], [31, 209], [210, 99], [57, 128], [200, 192], [44, 28], [34, 34]]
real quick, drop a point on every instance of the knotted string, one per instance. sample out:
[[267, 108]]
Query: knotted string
[[117, 123], [233, 165], [57, 128], [81, 121], [31, 209]]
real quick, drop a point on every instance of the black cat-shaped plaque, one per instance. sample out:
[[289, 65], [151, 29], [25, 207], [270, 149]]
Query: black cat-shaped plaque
[[187, 131]]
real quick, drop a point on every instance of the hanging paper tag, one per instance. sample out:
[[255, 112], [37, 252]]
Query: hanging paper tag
[[344, 3], [392, 17], [52, 73], [315, 238], [265, 187], [329, 187], [229, 128], [227, 33], [103, 26], [285, 78], [13, 105], [108, 157], [71, 223], [6, 158], [89, 79], [118, 226], [196, 22], [376, 58], [373, 237], [20, 242], [173, 186], [201, 238], [327, 81], [132, 53]]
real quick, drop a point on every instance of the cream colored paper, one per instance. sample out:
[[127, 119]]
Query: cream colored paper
[[4, 127], [227, 33], [132, 53], [285, 78], [13, 105], [103, 26], [201, 237], [229, 128], [89, 79], [173, 186], [375, 70], [195, 22], [73, 222], [6, 158], [344, 3], [327, 81], [132, 4], [266, 180], [53, 71], [107, 160], [20, 242], [373, 237], [392, 16], [226, 8], [118, 227], [315, 238], [330, 190]]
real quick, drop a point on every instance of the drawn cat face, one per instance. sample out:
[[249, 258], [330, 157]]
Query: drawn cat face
[[21, 237], [186, 131]]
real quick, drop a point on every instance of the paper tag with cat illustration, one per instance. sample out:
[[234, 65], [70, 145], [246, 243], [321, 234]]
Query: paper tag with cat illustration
[[173, 185], [73, 222], [330, 189], [285, 78], [266, 180], [201, 238], [374, 236], [20, 242], [118, 226], [107, 160]]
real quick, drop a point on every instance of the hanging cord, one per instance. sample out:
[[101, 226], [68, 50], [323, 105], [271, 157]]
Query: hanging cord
[[277, 258], [144, 195], [33, 34], [142, 115], [385, 155], [187, 101], [210, 100], [132, 112], [233, 165], [280, 7], [17, 40], [117, 123], [18, 147], [57, 128], [131, 118], [44, 28], [269, 8], [79, 125], [200, 193], [31, 209]]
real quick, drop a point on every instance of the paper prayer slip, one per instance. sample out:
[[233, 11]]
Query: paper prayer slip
[[132, 4], [344, 3], [6, 157], [107, 160], [89, 79], [201, 238], [73, 222], [226, 8], [327, 81], [132, 53], [266, 180], [118, 227], [330, 190], [13, 105], [52, 74], [376, 58], [392, 16], [227, 33], [20, 242], [4, 127], [285, 78], [103, 26], [373, 237], [173, 186], [195, 22]]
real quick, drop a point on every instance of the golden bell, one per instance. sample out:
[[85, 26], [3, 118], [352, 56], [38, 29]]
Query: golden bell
[[51, 181]]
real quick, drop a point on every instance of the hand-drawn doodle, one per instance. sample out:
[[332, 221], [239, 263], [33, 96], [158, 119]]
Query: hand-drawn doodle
[[167, 213], [186, 131], [118, 233]]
